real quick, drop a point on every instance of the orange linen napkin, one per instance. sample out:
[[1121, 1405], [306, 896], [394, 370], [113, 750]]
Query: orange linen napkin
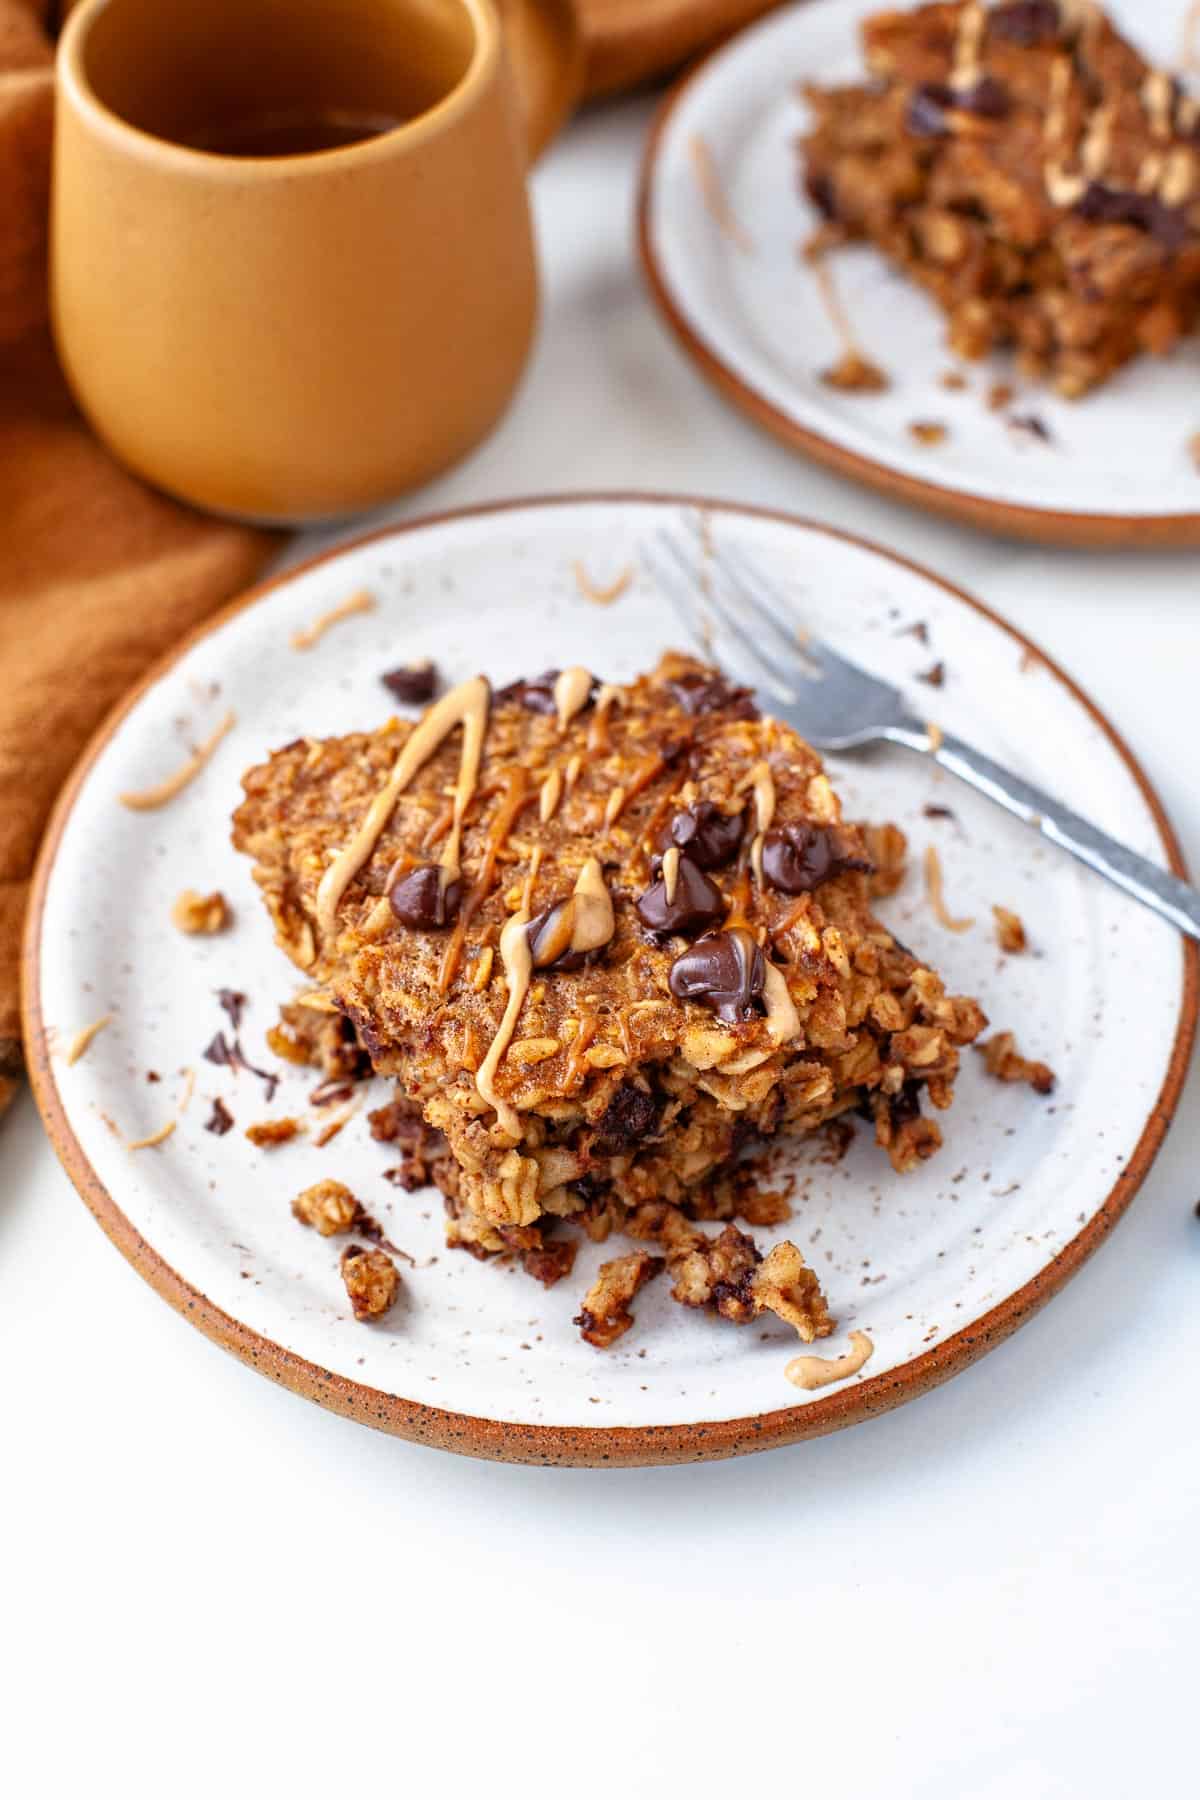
[[98, 574]]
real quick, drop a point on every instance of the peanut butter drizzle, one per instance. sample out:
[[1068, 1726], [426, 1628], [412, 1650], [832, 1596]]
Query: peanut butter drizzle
[[516, 958], [549, 796], [606, 699], [507, 813], [82, 1040], [571, 690], [466, 705], [670, 871], [714, 197], [819, 1371], [146, 799], [588, 924], [602, 596], [762, 782], [310, 635]]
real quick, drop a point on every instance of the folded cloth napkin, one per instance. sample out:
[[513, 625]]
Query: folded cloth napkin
[[98, 574]]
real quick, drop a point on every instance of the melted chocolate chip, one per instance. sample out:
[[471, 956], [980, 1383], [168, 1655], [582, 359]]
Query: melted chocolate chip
[[704, 693], [695, 904], [232, 1056], [630, 1117], [414, 683], [1103, 205], [710, 837], [549, 936], [421, 901], [1026, 23], [934, 100], [220, 1119], [798, 858], [725, 971]]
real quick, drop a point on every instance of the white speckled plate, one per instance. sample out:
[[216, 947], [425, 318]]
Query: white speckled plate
[[935, 1266], [1118, 467]]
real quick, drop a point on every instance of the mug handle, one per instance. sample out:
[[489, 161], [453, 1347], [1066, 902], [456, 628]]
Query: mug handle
[[546, 56]]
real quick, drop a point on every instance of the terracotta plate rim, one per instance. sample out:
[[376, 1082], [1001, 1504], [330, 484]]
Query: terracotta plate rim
[[1085, 530], [584, 1446]]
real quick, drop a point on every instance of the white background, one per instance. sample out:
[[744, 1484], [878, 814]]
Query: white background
[[208, 1584]]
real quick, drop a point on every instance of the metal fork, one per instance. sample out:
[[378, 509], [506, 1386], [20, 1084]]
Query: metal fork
[[838, 706]]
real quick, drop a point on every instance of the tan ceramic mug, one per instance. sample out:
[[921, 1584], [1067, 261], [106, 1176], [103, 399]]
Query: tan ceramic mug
[[292, 264]]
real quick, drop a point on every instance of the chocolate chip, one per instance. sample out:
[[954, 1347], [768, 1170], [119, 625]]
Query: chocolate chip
[[421, 900], [1026, 23], [725, 971], [1103, 205], [927, 109], [220, 1052], [695, 904], [630, 1117], [414, 683], [819, 188], [906, 1105], [798, 858], [710, 837], [709, 692], [549, 936], [233, 1004], [220, 1119], [1029, 422], [934, 100]]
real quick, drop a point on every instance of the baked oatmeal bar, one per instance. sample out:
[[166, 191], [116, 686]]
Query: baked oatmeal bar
[[606, 940], [1029, 168]]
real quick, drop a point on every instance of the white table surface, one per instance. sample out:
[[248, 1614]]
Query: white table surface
[[991, 1592]]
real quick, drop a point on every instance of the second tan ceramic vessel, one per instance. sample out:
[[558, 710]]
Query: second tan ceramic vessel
[[290, 338]]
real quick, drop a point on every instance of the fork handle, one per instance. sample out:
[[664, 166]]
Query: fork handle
[[1163, 892]]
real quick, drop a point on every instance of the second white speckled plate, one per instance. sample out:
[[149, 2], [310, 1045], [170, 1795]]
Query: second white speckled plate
[[1116, 467], [936, 1265]]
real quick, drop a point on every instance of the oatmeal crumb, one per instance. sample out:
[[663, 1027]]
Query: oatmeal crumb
[[1002, 1059], [328, 1207], [1000, 396], [372, 1281], [605, 1314], [854, 373], [1010, 930], [954, 381], [937, 900], [268, 1134], [934, 676], [928, 432], [201, 915], [1194, 449]]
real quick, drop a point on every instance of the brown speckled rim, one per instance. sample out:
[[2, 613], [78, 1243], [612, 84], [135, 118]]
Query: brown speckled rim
[[571, 1445], [1041, 525]]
